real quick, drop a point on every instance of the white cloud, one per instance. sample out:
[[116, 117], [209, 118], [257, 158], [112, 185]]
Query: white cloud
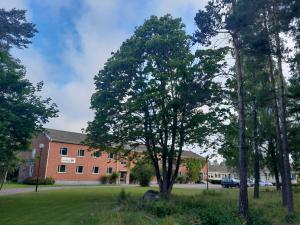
[[9, 4], [98, 33]]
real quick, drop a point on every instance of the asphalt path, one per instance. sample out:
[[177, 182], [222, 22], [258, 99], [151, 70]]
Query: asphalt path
[[13, 191]]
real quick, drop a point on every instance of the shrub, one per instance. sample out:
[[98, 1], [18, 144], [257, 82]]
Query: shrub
[[104, 179], [215, 181], [181, 179], [162, 208], [123, 196], [143, 172], [257, 217], [42, 181], [113, 178], [215, 214]]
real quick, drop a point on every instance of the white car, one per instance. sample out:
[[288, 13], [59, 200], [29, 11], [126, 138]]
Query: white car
[[265, 183]]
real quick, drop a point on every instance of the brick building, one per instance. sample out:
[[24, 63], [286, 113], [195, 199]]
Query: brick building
[[67, 160]]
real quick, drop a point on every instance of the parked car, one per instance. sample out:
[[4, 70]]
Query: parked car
[[265, 183], [230, 182]]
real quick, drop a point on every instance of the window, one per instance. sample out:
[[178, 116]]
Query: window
[[109, 170], [31, 170], [110, 155], [33, 153], [61, 168], [79, 169], [95, 170], [96, 154], [80, 153], [63, 151], [123, 163]]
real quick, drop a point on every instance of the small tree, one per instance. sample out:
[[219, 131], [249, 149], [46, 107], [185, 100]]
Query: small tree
[[143, 172], [194, 166]]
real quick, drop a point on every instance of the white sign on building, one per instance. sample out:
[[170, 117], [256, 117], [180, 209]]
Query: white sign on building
[[68, 160]]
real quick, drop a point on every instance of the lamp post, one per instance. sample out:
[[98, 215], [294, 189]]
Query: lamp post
[[41, 146], [206, 172]]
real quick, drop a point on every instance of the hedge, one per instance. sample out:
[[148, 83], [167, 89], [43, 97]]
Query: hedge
[[42, 181]]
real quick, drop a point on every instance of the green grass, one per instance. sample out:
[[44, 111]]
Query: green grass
[[19, 185], [95, 206]]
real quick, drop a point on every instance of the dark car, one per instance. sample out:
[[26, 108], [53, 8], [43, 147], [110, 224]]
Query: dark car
[[230, 182]]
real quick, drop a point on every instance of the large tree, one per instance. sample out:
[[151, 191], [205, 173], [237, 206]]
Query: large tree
[[22, 110], [155, 91], [231, 17]]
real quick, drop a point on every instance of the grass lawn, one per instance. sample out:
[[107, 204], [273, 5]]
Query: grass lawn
[[99, 206], [15, 185]]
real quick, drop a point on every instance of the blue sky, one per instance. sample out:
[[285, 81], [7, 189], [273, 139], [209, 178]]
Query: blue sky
[[75, 39]]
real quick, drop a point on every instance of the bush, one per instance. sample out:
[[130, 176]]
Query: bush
[[215, 181], [42, 181], [113, 178], [123, 196], [143, 172], [162, 208], [215, 214], [104, 179], [181, 180]]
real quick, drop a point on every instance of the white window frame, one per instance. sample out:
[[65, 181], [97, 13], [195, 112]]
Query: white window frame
[[107, 170], [78, 153], [93, 170], [60, 150], [76, 171], [59, 166], [94, 154], [109, 154]]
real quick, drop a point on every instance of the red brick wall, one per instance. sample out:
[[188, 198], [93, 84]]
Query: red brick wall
[[88, 162], [27, 157]]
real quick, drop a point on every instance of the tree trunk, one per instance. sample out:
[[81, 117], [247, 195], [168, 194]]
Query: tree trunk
[[274, 158], [255, 149], [3, 177], [277, 127], [243, 197], [282, 115], [276, 115]]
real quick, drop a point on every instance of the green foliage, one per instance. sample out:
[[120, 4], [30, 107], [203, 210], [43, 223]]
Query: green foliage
[[143, 172], [194, 166], [15, 31], [162, 208], [216, 214], [42, 181], [113, 178], [215, 181], [23, 111], [151, 90], [123, 197], [182, 180], [104, 179]]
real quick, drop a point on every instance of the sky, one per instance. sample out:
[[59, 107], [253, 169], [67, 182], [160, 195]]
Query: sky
[[75, 39]]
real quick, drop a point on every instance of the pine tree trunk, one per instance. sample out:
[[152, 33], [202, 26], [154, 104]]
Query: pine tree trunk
[[243, 197], [276, 115], [282, 115], [3, 177], [255, 149], [277, 128], [271, 149]]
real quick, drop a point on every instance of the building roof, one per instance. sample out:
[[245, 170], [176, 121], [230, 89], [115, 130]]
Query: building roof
[[65, 136], [78, 138], [222, 168]]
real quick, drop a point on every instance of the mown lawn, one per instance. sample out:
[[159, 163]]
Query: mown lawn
[[97, 206]]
